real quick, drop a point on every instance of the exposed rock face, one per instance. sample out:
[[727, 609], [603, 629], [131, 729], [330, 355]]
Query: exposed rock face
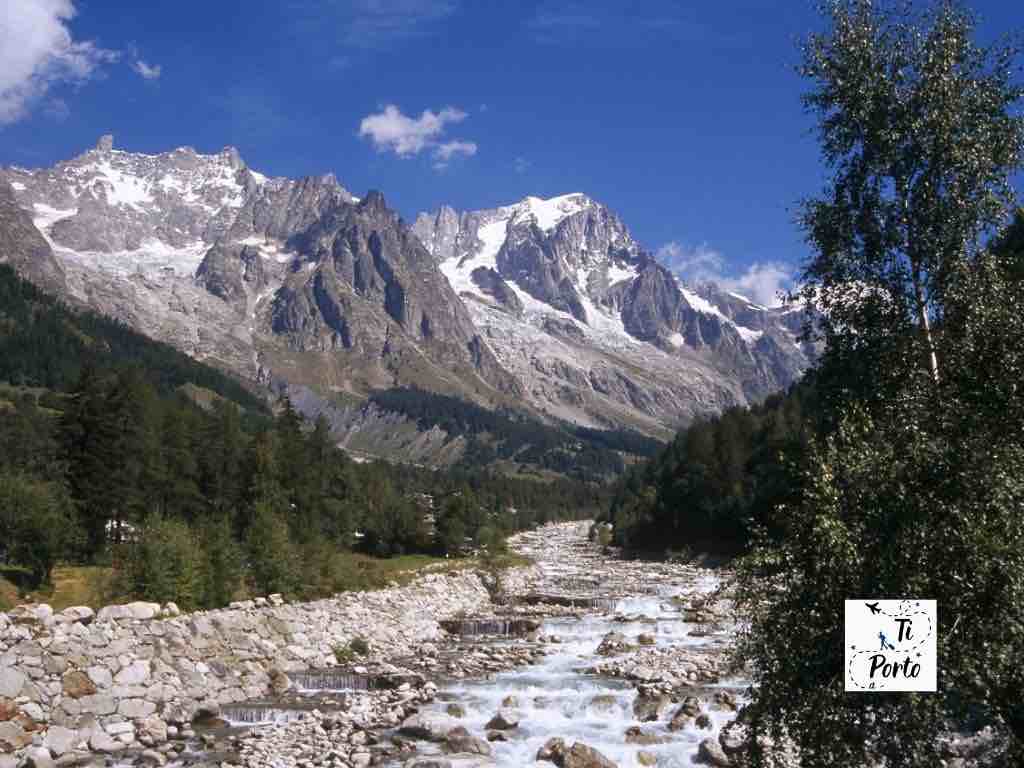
[[258, 274], [23, 247], [545, 302], [595, 329]]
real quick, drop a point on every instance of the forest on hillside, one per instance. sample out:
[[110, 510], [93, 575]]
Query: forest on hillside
[[585, 454], [119, 450]]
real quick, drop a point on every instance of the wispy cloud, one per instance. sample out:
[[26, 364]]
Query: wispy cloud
[[368, 24], [521, 165], [762, 282], [147, 71], [616, 23], [443, 153], [38, 53], [392, 131]]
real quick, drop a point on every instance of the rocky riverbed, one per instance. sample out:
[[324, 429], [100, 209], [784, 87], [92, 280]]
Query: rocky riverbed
[[581, 659], [587, 660]]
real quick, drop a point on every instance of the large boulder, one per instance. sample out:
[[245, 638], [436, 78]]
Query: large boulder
[[461, 740], [431, 726], [710, 752], [503, 720], [553, 751], [582, 756], [648, 708]]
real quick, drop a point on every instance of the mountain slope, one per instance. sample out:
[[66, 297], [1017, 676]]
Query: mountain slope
[[260, 275], [595, 329]]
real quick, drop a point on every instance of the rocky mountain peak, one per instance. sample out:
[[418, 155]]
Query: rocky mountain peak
[[105, 143]]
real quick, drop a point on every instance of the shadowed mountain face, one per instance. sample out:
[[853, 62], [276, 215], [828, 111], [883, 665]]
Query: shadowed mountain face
[[548, 304]]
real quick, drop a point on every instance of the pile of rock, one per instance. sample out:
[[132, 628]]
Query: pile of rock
[[80, 681]]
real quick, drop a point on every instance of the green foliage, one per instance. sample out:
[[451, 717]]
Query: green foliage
[[163, 563], [197, 501], [917, 484], [37, 526], [352, 651], [716, 479], [505, 434], [272, 556]]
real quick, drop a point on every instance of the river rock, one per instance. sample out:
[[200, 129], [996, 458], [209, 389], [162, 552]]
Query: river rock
[[152, 731], [455, 710], [77, 684], [648, 708], [101, 742], [645, 639], [613, 644], [710, 752], [37, 757], [636, 735], [81, 614], [11, 682], [646, 758], [13, 737], [582, 756], [461, 740], [553, 751], [59, 739], [503, 720], [431, 726]]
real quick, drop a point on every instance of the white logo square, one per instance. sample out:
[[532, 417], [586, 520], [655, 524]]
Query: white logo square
[[890, 645]]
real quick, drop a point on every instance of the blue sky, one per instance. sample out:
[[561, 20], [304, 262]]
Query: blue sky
[[683, 117]]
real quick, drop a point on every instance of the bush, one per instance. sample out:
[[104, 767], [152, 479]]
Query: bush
[[37, 525], [164, 563], [356, 648]]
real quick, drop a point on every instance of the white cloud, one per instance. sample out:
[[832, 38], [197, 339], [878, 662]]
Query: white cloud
[[148, 72], [443, 153], [392, 131], [521, 165], [38, 52], [763, 283]]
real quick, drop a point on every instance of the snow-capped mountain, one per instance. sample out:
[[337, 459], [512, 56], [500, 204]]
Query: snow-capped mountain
[[547, 304], [295, 278], [594, 328]]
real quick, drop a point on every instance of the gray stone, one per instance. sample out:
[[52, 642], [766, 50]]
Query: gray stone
[[428, 725], [135, 673], [582, 756], [152, 730], [60, 740], [461, 740], [101, 676], [136, 708], [37, 757], [13, 737], [11, 682], [82, 614], [99, 704], [710, 752], [101, 742]]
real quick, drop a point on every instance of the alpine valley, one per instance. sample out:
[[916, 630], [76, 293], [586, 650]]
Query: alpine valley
[[546, 309]]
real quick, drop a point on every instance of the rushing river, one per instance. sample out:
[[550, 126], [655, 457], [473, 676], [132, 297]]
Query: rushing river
[[556, 698]]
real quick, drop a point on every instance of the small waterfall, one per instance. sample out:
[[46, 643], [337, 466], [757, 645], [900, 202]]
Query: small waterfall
[[490, 627], [332, 680], [259, 714]]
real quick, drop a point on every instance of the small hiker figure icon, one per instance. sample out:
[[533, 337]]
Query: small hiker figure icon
[[885, 643]]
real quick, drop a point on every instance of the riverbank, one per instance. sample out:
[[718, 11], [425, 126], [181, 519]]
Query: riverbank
[[78, 683]]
